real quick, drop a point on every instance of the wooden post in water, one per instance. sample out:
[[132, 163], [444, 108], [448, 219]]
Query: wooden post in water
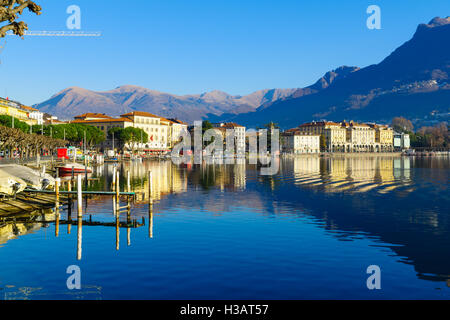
[[150, 221], [69, 214], [79, 237], [150, 187], [57, 222], [57, 183], [128, 228], [117, 232], [79, 197], [114, 179], [85, 174], [128, 181], [117, 191]]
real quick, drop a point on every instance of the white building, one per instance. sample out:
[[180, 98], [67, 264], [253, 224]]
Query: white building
[[239, 133], [157, 129], [401, 141], [299, 143]]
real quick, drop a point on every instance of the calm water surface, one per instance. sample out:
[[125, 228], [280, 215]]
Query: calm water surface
[[226, 232]]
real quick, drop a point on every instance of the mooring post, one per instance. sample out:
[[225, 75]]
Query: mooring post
[[80, 197], [117, 190], [128, 228], [79, 237], [117, 232], [57, 183], [43, 170], [114, 178], [128, 181], [85, 176], [57, 222], [150, 221], [150, 187]]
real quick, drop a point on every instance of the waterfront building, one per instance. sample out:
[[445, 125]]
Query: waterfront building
[[239, 133], [34, 115], [178, 129], [335, 135], [351, 136], [157, 129], [21, 112], [401, 141], [102, 122], [384, 138], [162, 133], [297, 142], [360, 137]]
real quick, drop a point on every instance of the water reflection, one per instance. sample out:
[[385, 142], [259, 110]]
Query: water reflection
[[348, 174], [399, 202]]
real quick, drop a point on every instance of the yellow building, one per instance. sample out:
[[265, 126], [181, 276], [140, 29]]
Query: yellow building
[[15, 110], [384, 138], [360, 137], [352, 136], [335, 135]]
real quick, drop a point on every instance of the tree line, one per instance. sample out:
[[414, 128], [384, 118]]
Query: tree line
[[29, 140]]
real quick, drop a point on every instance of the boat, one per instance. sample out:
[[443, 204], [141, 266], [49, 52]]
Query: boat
[[10, 185], [77, 168], [34, 179]]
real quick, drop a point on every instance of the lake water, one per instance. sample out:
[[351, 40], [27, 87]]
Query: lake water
[[226, 232]]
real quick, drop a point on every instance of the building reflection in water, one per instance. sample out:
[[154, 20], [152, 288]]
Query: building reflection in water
[[351, 174], [360, 174]]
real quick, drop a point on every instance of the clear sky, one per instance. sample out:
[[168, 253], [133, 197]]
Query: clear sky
[[187, 47]]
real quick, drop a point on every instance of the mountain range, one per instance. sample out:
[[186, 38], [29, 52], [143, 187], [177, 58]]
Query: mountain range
[[74, 101], [413, 81]]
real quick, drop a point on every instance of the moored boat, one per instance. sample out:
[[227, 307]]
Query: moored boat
[[34, 179], [76, 167], [10, 185]]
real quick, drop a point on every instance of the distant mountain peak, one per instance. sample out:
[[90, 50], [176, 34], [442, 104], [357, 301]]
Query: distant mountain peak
[[434, 23], [438, 21], [331, 76]]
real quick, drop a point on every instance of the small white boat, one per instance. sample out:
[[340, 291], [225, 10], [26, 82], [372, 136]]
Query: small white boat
[[10, 185], [34, 179]]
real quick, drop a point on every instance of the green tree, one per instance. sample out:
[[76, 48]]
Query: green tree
[[72, 132], [7, 121], [206, 125], [129, 135]]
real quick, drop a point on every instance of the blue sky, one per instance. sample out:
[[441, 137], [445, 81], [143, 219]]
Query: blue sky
[[185, 47]]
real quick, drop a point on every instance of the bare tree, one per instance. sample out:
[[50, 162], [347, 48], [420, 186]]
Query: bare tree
[[9, 13]]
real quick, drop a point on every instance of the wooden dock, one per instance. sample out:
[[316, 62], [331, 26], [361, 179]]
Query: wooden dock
[[28, 202]]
